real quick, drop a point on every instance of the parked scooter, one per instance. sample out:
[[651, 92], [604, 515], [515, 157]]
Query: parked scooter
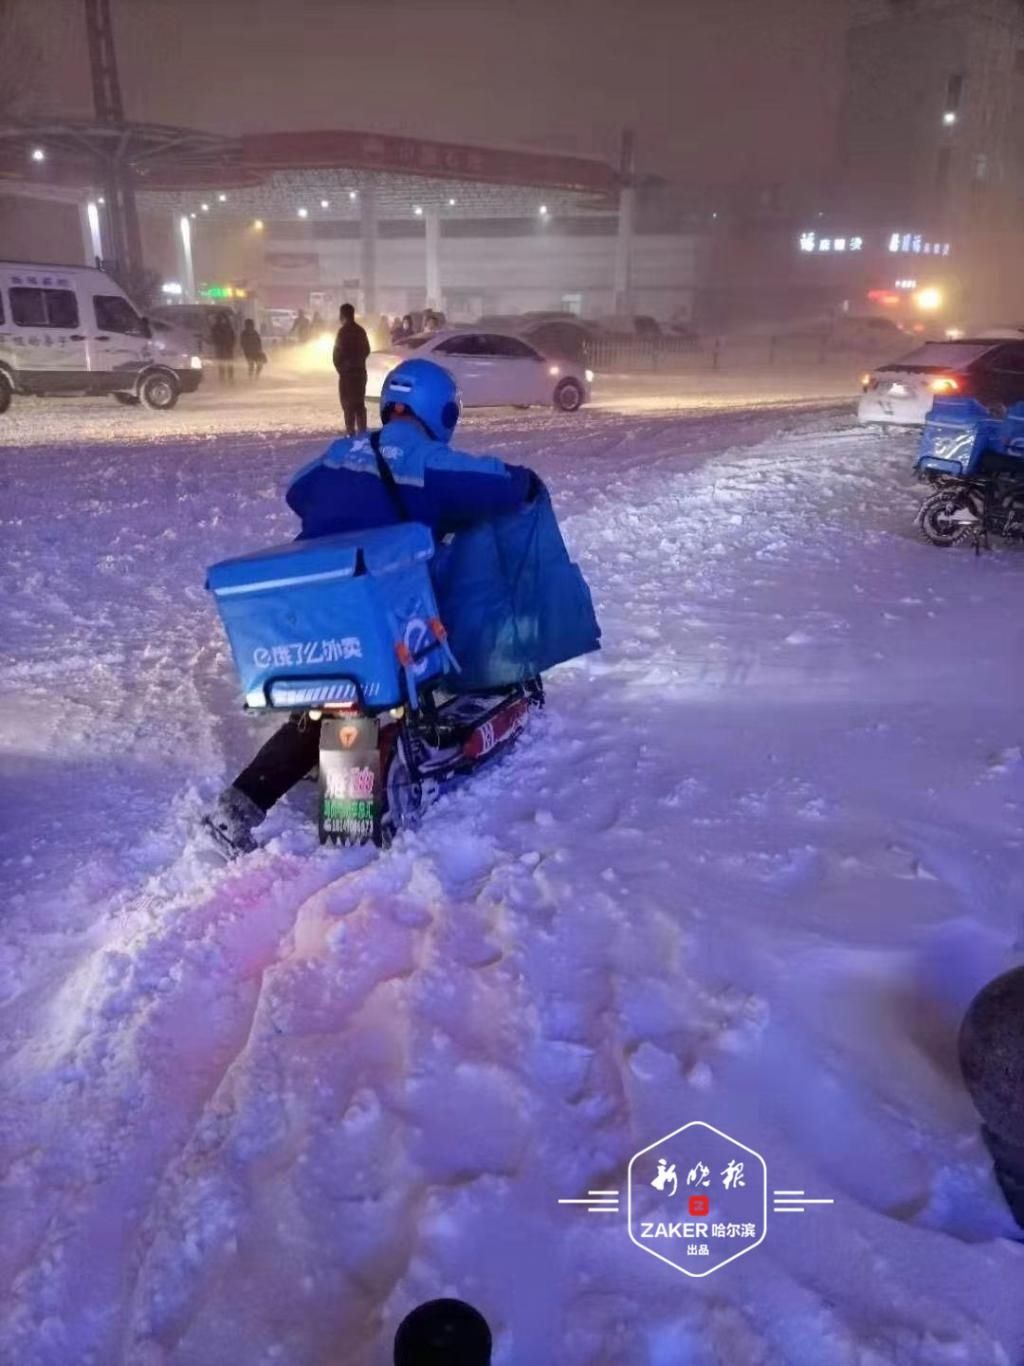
[[976, 463]]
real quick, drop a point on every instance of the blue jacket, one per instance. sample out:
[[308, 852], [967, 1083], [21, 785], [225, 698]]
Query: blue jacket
[[446, 489]]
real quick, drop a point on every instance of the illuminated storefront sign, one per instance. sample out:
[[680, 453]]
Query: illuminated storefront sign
[[810, 241], [222, 292], [899, 243], [912, 243]]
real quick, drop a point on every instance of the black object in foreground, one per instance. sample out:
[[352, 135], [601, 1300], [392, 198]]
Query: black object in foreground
[[991, 1047], [443, 1333]]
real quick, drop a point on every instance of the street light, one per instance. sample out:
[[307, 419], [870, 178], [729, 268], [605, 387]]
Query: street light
[[205, 208], [352, 194], [949, 118], [257, 224], [418, 210], [543, 211], [303, 213], [451, 203], [222, 199], [38, 154], [325, 203]]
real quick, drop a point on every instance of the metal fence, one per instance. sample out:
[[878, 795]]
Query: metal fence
[[630, 355]]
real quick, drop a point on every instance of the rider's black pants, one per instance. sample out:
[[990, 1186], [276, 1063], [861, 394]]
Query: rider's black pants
[[286, 758]]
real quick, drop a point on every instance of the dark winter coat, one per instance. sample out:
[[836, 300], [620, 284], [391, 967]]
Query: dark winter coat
[[251, 344], [223, 336], [351, 347]]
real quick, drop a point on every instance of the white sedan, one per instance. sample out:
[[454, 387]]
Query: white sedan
[[492, 369]]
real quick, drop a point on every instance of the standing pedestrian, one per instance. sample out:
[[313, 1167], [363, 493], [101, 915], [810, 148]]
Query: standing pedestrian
[[351, 348], [223, 334], [252, 348], [300, 328]]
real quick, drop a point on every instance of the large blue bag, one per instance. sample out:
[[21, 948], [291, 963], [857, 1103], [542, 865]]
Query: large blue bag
[[513, 602], [335, 619]]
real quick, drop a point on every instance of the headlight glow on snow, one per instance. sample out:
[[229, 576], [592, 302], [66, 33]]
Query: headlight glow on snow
[[929, 299], [554, 370]]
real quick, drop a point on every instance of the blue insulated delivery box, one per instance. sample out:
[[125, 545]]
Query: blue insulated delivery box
[[957, 432], [335, 619]]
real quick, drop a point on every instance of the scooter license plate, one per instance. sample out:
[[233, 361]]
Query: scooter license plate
[[350, 780]]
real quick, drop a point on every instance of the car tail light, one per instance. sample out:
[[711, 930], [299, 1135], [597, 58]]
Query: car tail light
[[945, 384]]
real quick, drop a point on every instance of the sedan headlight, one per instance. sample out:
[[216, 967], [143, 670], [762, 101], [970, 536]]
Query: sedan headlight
[[195, 362], [588, 375]]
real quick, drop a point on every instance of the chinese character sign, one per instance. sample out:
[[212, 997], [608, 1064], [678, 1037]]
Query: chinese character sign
[[697, 1199], [811, 242]]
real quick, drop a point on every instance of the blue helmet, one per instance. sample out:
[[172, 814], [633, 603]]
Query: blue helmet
[[428, 391]]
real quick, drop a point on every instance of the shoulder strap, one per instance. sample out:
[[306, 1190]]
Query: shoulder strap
[[389, 481]]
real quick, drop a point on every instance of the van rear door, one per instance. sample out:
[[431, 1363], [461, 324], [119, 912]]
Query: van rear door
[[47, 332]]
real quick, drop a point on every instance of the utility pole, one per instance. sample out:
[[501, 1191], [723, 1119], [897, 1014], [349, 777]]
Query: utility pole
[[119, 181], [622, 287]]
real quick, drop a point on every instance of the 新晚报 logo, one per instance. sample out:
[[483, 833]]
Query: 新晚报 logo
[[697, 1199]]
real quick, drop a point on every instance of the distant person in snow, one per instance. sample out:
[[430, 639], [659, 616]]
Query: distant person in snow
[[300, 328], [223, 336], [252, 348], [351, 348]]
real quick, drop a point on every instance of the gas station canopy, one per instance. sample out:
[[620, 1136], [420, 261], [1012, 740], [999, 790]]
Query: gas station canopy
[[272, 175]]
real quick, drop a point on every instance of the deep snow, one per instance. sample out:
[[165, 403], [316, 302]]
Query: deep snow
[[748, 868]]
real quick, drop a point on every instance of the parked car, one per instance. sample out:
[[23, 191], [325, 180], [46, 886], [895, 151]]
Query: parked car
[[275, 324], [167, 337], [197, 320], [984, 368], [73, 330], [629, 325], [564, 338], [644, 327], [870, 333], [556, 335], [492, 369]]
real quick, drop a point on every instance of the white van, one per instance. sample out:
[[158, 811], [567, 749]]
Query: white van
[[72, 330]]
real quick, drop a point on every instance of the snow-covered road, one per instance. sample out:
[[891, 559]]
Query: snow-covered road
[[748, 868]]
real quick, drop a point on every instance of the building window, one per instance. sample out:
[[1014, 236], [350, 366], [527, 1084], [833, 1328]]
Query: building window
[[981, 166], [954, 89]]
